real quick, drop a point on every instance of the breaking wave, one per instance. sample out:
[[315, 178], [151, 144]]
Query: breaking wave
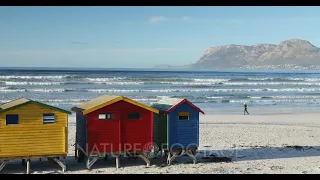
[[209, 90]]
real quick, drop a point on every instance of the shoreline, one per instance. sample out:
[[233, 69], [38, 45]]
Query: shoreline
[[294, 119], [261, 110]]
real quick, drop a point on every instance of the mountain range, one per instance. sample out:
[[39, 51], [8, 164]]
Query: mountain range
[[289, 54]]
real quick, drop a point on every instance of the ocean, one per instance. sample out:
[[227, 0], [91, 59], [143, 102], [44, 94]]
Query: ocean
[[221, 89]]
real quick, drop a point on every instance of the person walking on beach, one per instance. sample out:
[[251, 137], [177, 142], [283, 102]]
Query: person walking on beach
[[245, 109]]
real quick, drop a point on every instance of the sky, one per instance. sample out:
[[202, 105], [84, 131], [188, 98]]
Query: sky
[[141, 37]]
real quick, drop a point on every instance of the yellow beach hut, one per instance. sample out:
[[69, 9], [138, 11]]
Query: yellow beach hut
[[31, 129]]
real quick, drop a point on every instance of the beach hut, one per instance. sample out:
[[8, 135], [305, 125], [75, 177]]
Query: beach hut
[[31, 129], [113, 125], [176, 127]]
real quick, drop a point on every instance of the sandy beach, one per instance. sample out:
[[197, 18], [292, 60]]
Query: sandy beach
[[176, 80], [256, 144]]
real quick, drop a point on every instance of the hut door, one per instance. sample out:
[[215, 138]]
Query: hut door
[[131, 130]]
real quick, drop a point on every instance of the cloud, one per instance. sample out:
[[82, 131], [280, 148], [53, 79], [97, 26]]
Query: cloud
[[90, 51], [157, 19], [186, 18]]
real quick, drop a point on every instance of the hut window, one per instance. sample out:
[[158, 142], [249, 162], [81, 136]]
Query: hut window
[[12, 119], [105, 116], [183, 115], [49, 118], [134, 116]]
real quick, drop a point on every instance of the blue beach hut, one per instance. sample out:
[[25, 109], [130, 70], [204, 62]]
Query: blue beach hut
[[176, 127]]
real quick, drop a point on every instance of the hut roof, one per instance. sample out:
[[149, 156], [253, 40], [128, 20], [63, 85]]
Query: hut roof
[[22, 101], [105, 100], [170, 101], [167, 105]]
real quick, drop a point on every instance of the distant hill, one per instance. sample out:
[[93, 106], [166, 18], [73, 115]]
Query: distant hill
[[289, 54]]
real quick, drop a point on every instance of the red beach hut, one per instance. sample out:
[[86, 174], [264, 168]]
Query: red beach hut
[[113, 125]]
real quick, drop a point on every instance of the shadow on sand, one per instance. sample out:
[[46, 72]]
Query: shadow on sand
[[258, 153], [203, 156]]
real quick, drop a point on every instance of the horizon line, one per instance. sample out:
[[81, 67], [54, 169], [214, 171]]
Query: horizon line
[[156, 69]]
